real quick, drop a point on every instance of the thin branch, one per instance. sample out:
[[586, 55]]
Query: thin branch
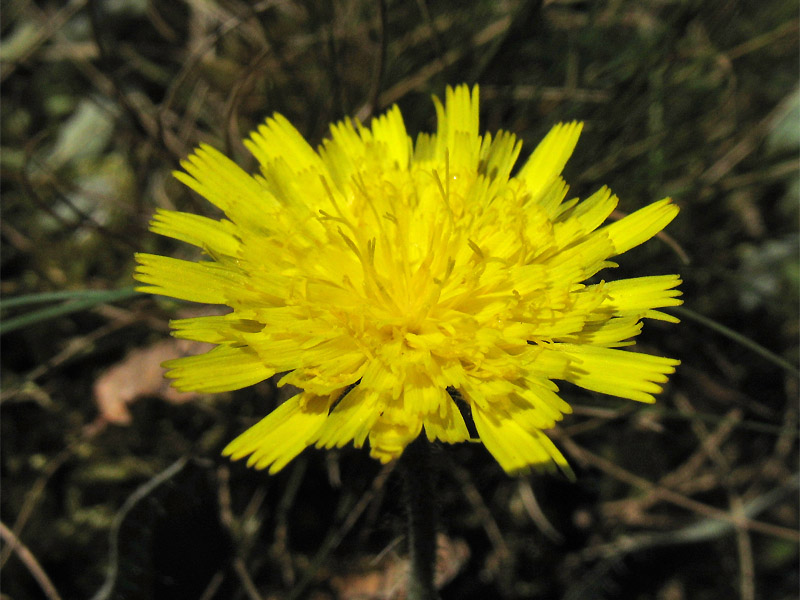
[[247, 581], [380, 63], [141, 492], [335, 538], [29, 560], [536, 514], [667, 495]]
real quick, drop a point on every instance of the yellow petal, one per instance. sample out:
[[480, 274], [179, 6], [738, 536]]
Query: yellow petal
[[457, 136], [281, 435], [422, 396], [548, 159], [615, 332], [350, 420], [206, 282], [587, 257], [584, 218], [222, 369], [388, 439], [545, 360], [328, 376], [517, 450], [226, 185], [278, 138], [542, 406], [214, 329], [640, 226], [447, 425], [219, 237], [617, 372], [498, 155], [389, 130], [640, 295]]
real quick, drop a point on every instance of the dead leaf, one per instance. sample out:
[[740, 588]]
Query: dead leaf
[[385, 579], [140, 374]]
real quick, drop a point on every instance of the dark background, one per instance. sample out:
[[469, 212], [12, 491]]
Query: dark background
[[694, 497]]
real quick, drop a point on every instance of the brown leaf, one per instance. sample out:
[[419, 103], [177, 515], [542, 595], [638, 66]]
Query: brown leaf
[[140, 374], [386, 579]]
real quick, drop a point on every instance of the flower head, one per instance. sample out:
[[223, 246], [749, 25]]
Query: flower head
[[399, 283]]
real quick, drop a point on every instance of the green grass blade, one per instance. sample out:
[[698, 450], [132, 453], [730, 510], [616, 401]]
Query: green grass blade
[[77, 300]]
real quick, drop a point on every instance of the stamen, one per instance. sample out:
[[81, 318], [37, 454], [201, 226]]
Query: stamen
[[350, 243], [476, 249]]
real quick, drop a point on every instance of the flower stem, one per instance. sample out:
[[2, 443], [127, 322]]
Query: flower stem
[[418, 478]]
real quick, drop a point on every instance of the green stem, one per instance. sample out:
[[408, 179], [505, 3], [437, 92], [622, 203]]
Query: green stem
[[419, 494]]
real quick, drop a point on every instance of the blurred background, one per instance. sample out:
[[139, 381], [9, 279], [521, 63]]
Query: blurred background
[[113, 485]]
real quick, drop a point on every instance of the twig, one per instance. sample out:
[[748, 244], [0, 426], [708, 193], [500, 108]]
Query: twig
[[141, 492], [436, 39], [738, 338], [50, 25], [75, 347], [400, 89], [333, 539], [490, 526], [702, 531], [250, 519], [247, 581], [707, 529], [710, 445], [671, 496], [748, 143], [280, 547], [380, 60], [535, 512], [224, 496], [763, 40], [213, 586], [255, 68], [32, 498], [29, 560], [747, 586]]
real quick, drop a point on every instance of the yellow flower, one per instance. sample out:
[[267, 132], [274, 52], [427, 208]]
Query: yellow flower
[[392, 281]]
